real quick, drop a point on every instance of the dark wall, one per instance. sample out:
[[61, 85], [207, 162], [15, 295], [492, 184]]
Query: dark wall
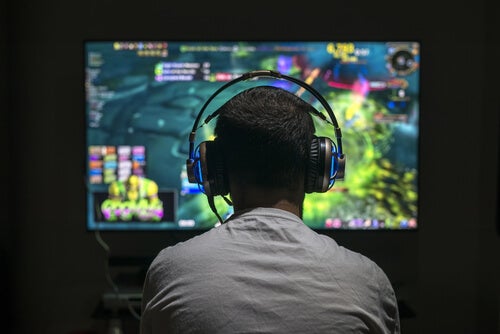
[[5, 227], [488, 269], [448, 272]]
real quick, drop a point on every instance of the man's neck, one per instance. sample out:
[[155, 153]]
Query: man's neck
[[253, 197]]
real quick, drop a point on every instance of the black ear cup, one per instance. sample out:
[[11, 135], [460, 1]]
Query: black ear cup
[[211, 174], [321, 167]]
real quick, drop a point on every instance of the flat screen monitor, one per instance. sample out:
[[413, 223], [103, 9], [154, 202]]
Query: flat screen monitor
[[142, 98]]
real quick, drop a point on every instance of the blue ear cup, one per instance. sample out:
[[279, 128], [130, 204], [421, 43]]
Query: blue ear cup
[[195, 171], [208, 169], [323, 165]]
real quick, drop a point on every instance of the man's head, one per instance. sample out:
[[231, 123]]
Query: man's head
[[265, 135]]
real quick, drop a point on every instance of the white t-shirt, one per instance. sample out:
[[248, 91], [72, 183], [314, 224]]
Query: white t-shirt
[[265, 271]]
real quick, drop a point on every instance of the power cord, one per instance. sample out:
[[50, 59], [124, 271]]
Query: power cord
[[109, 278]]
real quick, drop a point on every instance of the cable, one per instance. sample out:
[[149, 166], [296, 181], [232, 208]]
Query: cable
[[133, 311], [107, 273], [109, 279]]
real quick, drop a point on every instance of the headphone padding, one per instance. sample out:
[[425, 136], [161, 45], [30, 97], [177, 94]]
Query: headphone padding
[[321, 165], [312, 166], [212, 165]]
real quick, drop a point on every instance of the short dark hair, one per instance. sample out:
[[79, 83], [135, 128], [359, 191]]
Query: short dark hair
[[265, 133]]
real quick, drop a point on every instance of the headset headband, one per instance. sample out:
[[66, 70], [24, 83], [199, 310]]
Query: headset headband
[[272, 74]]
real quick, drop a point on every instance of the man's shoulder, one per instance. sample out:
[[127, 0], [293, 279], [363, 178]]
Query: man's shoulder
[[352, 261], [196, 244]]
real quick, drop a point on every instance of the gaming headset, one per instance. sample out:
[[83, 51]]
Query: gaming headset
[[205, 164]]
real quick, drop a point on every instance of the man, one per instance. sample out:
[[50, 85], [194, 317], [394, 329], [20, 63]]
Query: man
[[263, 270]]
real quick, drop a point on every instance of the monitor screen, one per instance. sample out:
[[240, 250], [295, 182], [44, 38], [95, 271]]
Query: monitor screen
[[142, 98]]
